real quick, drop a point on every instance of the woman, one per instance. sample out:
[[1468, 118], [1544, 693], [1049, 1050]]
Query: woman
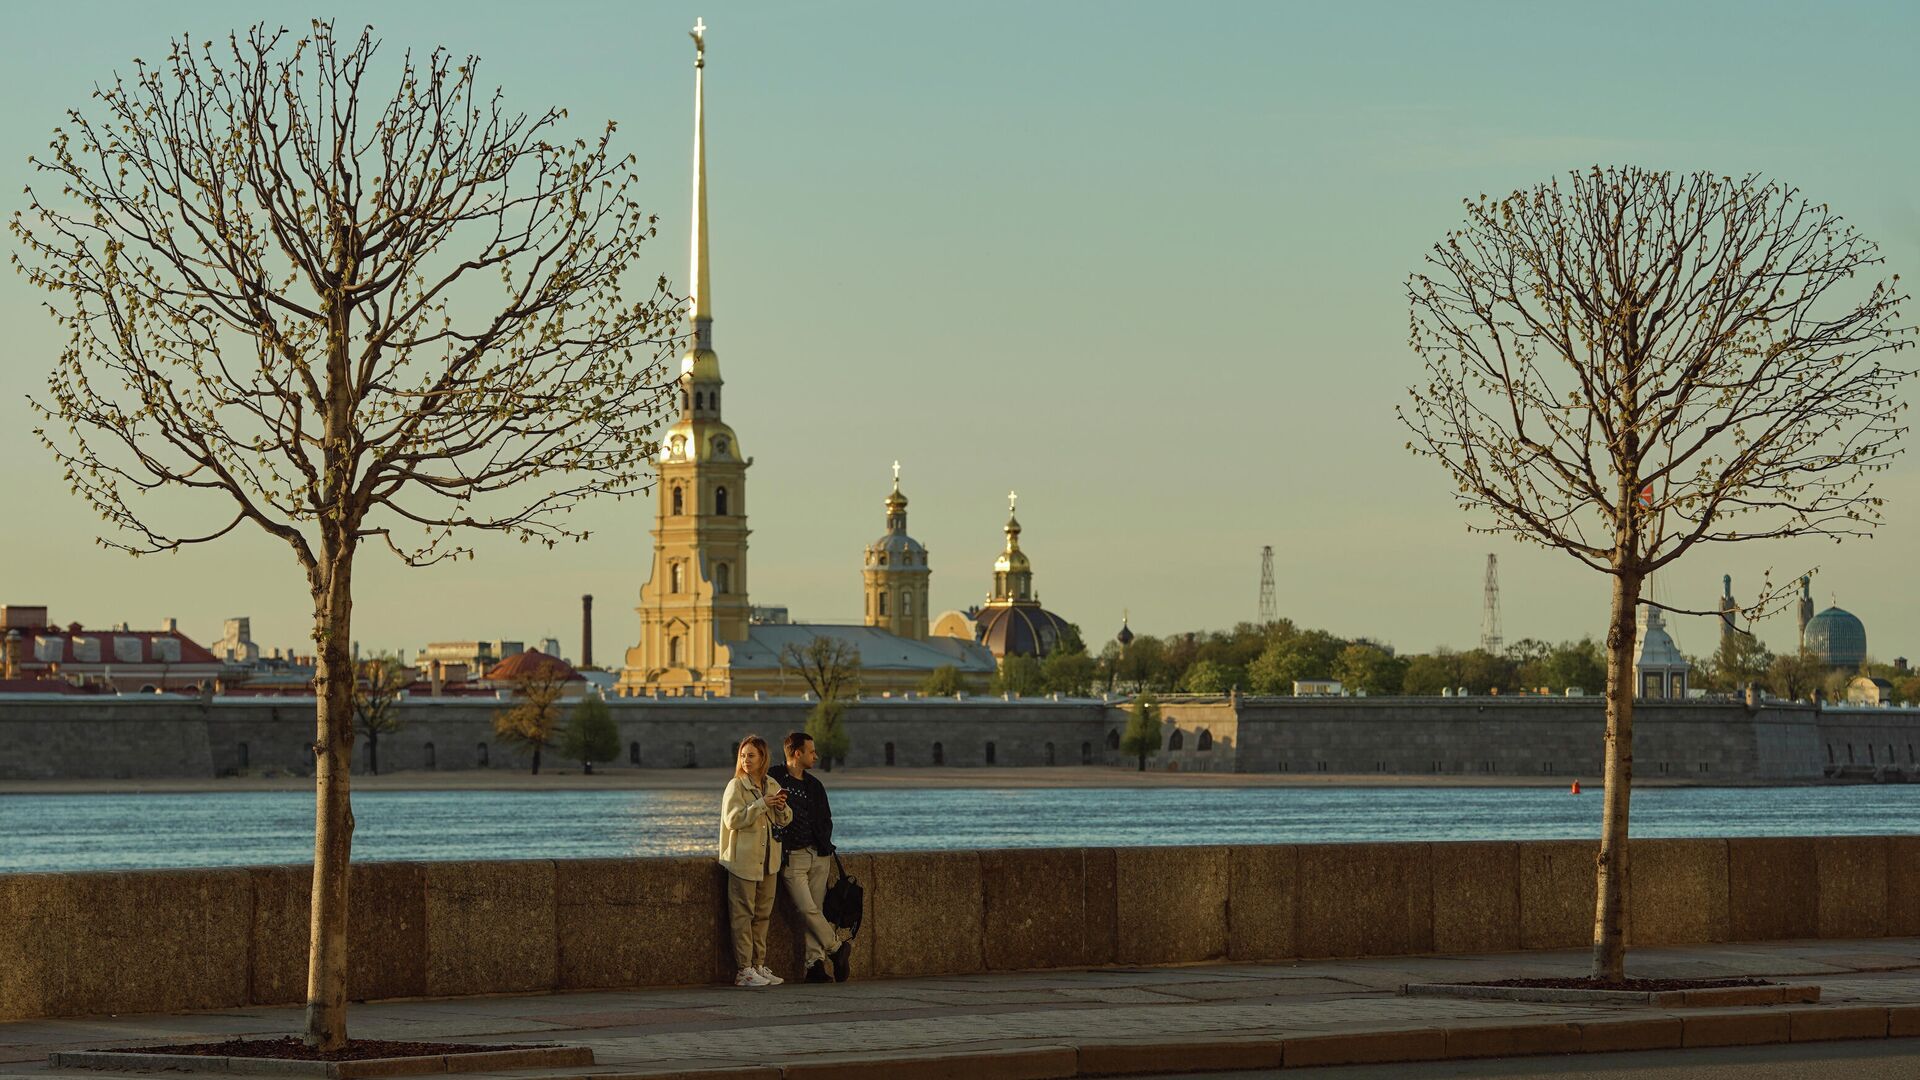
[[749, 810]]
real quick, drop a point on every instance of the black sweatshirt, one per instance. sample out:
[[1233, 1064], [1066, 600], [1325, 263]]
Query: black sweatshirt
[[812, 825]]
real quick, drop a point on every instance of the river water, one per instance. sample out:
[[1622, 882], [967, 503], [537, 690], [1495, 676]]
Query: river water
[[100, 832]]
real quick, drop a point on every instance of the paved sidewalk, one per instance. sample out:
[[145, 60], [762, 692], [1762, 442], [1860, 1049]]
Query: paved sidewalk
[[1065, 1023]]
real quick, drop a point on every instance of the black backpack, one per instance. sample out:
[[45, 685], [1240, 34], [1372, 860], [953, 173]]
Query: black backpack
[[846, 901]]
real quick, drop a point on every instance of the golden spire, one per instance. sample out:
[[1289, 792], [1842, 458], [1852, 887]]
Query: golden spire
[[701, 298]]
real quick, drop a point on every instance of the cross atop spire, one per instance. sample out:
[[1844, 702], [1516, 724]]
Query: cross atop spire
[[896, 475], [698, 279], [1011, 499]]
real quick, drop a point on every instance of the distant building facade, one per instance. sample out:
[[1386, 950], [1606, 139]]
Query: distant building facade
[[122, 659]]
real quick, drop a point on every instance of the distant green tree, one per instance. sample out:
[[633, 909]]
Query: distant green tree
[[1482, 672], [1370, 669], [943, 681], [1144, 665], [1106, 668], [1907, 689], [827, 724], [1795, 676], [1741, 659], [1211, 677], [1431, 674], [1069, 672], [1020, 676], [590, 734], [1142, 737], [1556, 668]]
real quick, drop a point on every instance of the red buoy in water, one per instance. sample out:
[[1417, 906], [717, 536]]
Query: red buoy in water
[[1576, 788]]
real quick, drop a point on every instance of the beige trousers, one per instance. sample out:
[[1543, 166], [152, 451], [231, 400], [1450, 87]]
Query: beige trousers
[[750, 908], [805, 877]]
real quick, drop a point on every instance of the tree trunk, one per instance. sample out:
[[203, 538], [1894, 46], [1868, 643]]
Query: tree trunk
[[536, 760], [373, 752], [333, 807], [1143, 763], [1611, 881]]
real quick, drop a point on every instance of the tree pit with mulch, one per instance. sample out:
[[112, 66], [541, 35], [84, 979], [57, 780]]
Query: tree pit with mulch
[[290, 1048]]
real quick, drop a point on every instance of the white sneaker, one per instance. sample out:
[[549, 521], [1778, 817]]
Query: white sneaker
[[767, 973], [749, 977]]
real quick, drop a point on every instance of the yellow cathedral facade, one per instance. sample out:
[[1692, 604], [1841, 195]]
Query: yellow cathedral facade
[[698, 634]]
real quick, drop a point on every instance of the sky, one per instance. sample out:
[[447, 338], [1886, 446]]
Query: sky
[[1142, 263]]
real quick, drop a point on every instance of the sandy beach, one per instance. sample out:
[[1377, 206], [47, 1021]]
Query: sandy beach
[[850, 779]]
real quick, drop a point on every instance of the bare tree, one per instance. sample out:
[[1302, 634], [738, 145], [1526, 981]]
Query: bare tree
[[1636, 363], [829, 666], [534, 721], [339, 314], [376, 701]]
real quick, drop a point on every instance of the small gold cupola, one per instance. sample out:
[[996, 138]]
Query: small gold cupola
[[1012, 573]]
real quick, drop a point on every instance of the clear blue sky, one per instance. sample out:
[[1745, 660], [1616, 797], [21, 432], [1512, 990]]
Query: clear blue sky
[[1142, 263]]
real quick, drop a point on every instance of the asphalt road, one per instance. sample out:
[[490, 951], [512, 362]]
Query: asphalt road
[[1868, 1059]]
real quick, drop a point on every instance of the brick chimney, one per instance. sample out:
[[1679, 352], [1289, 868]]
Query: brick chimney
[[586, 631]]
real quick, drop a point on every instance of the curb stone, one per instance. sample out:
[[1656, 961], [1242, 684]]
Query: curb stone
[[1060, 1062], [1719, 996], [363, 1069]]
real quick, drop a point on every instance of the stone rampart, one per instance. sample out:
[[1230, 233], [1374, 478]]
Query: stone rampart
[[46, 737], [77, 944]]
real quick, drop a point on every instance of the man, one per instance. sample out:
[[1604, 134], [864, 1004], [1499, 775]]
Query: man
[[806, 846]]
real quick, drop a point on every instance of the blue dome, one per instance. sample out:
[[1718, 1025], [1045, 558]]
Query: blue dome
[[1837, 638]]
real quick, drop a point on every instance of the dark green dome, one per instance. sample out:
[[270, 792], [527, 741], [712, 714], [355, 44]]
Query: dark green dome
[[1838, 638]]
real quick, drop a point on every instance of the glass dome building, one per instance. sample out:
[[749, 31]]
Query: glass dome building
[[1838, 638]]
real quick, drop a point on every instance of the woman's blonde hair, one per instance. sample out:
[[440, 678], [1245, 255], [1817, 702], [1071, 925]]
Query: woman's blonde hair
[[757, 743]]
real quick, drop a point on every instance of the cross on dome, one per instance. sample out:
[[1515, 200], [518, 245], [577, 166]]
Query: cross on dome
[[1011, 499], [699, 33]]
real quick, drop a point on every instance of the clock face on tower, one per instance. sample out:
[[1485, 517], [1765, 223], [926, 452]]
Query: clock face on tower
[[720, 446]]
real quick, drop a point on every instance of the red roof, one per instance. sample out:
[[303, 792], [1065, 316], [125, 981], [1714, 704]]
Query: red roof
[[531, 664], [43, 686], [32, 643]]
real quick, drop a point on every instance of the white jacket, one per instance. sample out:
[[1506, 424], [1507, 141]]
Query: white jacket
[[747, 847]]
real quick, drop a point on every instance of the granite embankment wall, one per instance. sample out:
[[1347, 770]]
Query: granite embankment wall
[[76, 944], [45, 737]]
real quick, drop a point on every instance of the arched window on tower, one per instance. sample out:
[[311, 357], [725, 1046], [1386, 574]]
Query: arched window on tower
[[677, 577], [676, 650], [906, 602], [720, 500], [722, 578], [713, 399], [699, 401], [883, 601], [679, 501]]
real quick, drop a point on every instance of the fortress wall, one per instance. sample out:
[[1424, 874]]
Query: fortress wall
[[1217, 718], [1704, 741], [147, 737], [1868, 737], [230, 937], [47, 738], [137, 737]]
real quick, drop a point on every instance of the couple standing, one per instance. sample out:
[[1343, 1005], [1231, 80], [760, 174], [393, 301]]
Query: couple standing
[[775, 825]]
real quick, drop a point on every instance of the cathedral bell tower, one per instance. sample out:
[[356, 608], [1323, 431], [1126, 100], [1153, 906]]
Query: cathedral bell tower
[[696, 598], [896, 574]]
